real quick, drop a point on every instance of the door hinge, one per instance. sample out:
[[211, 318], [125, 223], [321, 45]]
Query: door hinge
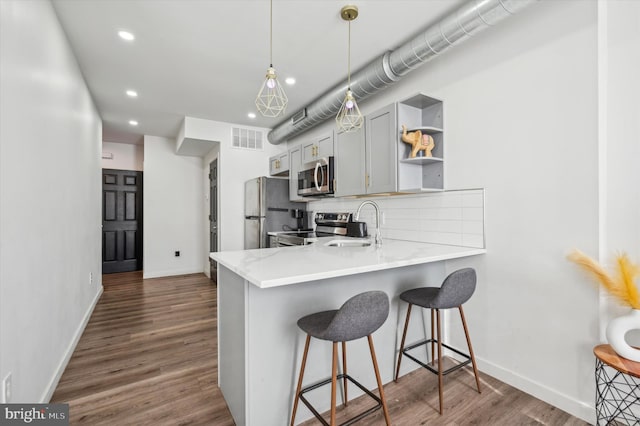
[[366, 179], [335, 185], [209, 176], [209, 218]]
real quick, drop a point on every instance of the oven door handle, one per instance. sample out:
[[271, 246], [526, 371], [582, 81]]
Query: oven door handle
[[280, 243], [315, 176]]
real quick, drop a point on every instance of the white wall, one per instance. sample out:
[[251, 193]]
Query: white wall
[[126, 156], [50, 214], [619, 137], [172, 194], [622, 141], [176, 196], [521, 120], [528, 133], [235, 167]]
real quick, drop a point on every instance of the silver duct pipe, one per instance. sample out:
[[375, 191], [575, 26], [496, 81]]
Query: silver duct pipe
[[471, 18]]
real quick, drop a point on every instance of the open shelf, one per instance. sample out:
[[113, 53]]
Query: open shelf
[[421, 160], [421, 174], [429, 130]]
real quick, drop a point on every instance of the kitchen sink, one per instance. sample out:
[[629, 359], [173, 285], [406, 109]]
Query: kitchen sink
[[348, 243]]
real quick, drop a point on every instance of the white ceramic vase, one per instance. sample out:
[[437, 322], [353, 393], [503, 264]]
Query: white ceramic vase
[[616, 331]]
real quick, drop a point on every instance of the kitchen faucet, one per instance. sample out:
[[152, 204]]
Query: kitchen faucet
[[378, 237]]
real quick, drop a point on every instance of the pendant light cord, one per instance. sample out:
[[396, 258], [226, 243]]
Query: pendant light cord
[[349, 60], [271, 34]]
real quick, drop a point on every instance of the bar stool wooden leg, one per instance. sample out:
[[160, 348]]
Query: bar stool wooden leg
[[439, 359], [433, 356], [473, 358], [334, 369], [344, 371], [404, 336], [302, 366], [375, 368]]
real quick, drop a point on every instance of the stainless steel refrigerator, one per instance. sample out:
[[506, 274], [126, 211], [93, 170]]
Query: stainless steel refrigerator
[[267, 208]]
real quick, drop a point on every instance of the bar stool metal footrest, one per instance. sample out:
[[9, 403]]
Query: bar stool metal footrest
[[430, 368], [328, 381]]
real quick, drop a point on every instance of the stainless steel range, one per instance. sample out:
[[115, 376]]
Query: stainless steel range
[[327, 225]]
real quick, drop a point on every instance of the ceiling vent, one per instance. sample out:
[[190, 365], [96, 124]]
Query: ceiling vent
[[244, 138]]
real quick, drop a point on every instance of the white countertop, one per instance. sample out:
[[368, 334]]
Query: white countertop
[[280, 266]]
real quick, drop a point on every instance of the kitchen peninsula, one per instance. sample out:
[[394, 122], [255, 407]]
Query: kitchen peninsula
[[263, 292]]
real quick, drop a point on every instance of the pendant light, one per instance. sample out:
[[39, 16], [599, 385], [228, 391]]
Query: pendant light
[[271, 100], [349, 117]]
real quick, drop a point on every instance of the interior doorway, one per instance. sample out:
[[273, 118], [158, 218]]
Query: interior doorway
[[213, 217], [121, 221]]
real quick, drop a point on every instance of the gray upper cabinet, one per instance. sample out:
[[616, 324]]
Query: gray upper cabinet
[[279, 164], [317, 148], [381, 150], [350, 170], [374, 159], [295, 161]]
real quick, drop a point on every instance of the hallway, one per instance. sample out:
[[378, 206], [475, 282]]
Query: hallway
[[147, 356]]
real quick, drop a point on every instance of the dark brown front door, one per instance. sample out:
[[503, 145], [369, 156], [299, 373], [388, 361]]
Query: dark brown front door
[[121, 221]]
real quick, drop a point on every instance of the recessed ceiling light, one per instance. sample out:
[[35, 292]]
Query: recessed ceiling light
[[290, 81], [251, 115], [132, 93], [126, 35], [133, 122]]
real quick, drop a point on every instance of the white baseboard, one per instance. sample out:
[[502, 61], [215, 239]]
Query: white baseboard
[[566, 403], [46, 396], [171, 272]]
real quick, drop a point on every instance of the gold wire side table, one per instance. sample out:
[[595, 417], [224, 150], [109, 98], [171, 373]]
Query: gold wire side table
[[617, 388]]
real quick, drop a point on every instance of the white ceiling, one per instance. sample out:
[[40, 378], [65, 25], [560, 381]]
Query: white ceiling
[[207, 58]]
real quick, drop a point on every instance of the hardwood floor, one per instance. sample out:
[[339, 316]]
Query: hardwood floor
[[149, 357], [413, 401]]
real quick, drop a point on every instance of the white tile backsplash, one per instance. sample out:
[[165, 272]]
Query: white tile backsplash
[[449, 217], [473, 213], [472, 200]]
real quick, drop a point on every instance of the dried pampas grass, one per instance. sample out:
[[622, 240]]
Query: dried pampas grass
[[622, 286]]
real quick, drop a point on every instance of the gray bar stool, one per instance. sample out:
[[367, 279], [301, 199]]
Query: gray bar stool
[[358, 317], [456, 289]]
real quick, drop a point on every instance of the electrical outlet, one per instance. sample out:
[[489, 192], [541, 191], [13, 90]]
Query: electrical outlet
[[6, 389], [177, 253]]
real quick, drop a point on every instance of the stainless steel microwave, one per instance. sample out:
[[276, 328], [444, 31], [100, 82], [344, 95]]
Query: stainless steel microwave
[[316, 178]]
